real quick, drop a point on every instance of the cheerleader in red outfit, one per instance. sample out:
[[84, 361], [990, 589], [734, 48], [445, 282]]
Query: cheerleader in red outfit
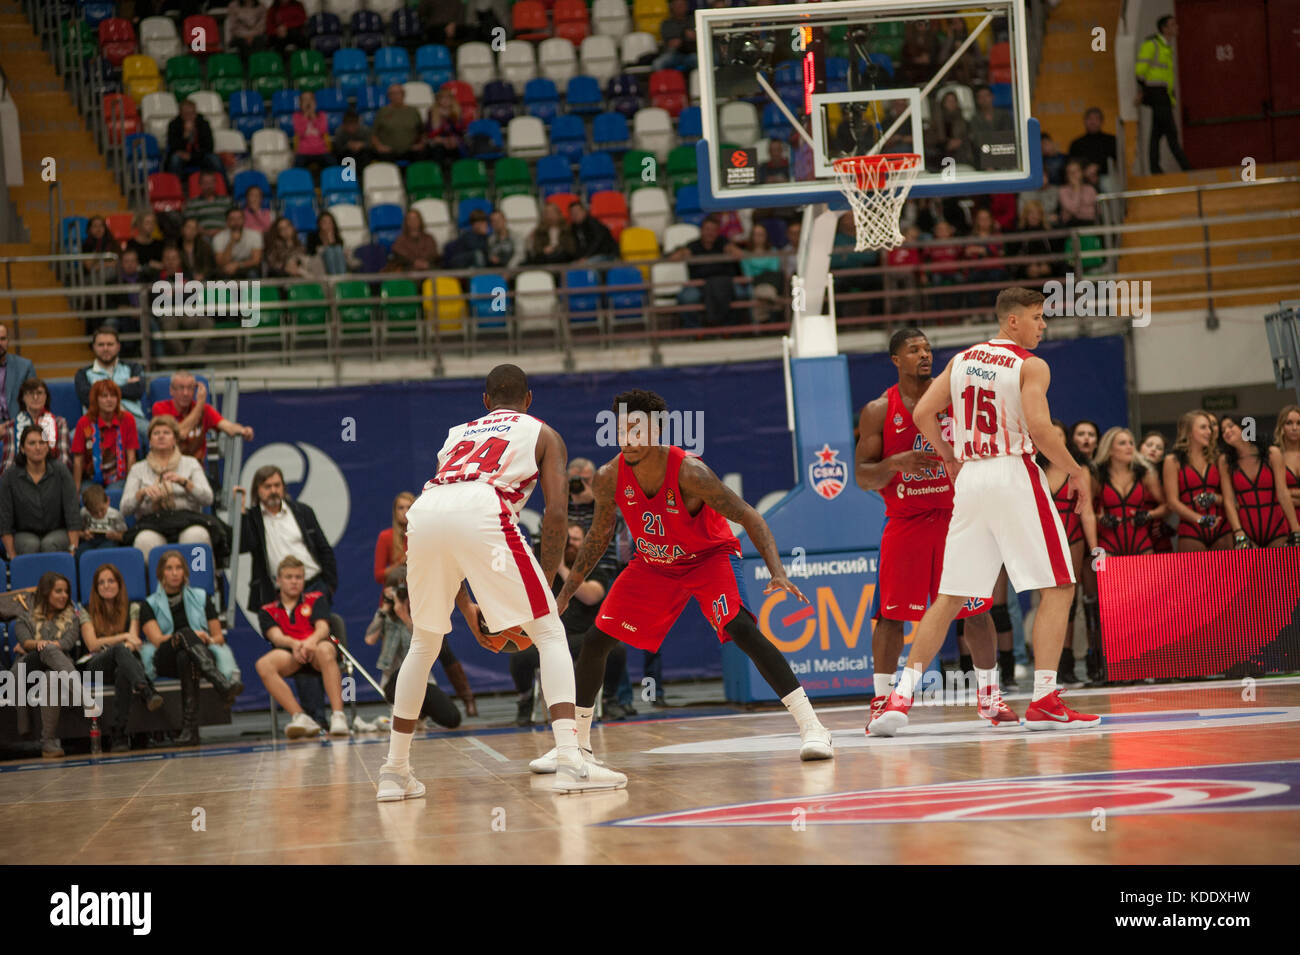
[[1287, 437], [1128, 496], [1152, 450], [1250, 473], [1192, 486]]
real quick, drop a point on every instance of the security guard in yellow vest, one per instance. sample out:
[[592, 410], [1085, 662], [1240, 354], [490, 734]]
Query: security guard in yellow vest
[[1155, 76]]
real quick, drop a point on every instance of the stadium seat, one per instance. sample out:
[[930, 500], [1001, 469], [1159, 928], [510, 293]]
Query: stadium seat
[[333, 102], [116, 40], [385, 221], [199, 557], [609, 132], [129, 562], [73, 233], [637, 46], [26, 570], [596, 172], [229, 142], [324, 33], [284, 103], [583, 96], [437, 218], [638, 245], [599, 58], [184, 76], [367, 31], [336, 187], [352, 224], [385, 8], [536, 304], [246, 180], [1000, 63], [311, 315], [624, 94], [965, 98], [682, 167], [121, 225], [529, 21], [738, 123], [1002, 96], [121, 118], [469, 179], [611, 209], [165, 193], [563, 201], [649, 209], [351, 70], [444, 303], [475, 65], [140, 77], [517, 63], [484, 140], [521, 215], [526, 138], [649, 14], [542, 99], [626, 305], [668, 91], [225, 74], [266, 73], [272, 153], [424, 181], [94, 12], [679, 234], [837, 75], [667, 278], [420, 95], [381, 183], [774, 125], [246, 112], [143, 147], [554, 174], [398, 316], [308, 70], [192, 186], [583, 307], [689, 124], [610, 18], [652, 130], [500, 101], [79, 40], [294, 184], [392, 65], [687, 205], [488, 293], [467, 206], [569, 137], [510, 176], [433, 64], [211, 107], [156, 111], [406, 29], [640, 170], [201, 35], [370, 99], [571, 20], [556, 60], [303, 216], [355, 315], [158, 39]]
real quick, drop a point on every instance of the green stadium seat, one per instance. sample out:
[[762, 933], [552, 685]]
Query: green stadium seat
[[353, 314], [308, 316], [308, 71], [682, 169], [225, 74], [266, 73], [424, 181], [184, 76], [635, 170], [400, 316], [469, 179], [513, 178]]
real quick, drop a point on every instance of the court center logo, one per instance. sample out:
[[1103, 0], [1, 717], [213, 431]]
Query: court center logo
[[828, 475], [1105, 299], [311, 477]]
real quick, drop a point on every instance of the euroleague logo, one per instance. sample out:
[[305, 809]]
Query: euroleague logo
[[828, 475], [740, 158]]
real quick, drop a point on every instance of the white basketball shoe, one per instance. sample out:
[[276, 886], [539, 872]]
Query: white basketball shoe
[[586, 776], [816, 745], [394, 785]]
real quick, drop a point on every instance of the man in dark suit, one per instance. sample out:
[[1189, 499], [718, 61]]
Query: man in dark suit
[[275, 527], [14, 370]]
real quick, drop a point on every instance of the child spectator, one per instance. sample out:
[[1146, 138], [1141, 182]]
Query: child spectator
[[257, 218], [101, 525]]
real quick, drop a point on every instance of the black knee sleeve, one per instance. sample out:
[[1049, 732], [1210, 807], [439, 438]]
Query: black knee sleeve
[[1001, 618], [771, 664], [589, 669], [1092, 613]]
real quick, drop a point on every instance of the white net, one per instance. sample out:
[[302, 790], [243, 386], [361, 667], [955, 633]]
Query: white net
[[877, 187]]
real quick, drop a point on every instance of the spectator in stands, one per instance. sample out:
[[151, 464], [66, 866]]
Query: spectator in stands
[[1031, 221], [38, 501], [1048, 198], [392, 623], [1155, 78], [296, 622], [445, 137], [105, 442], [552, 242], [1053, 161], [989, 125], [147, 242], [49, 638], [790, 254], [370, 257], [949, 135], [245, 27], [500, 243], [34, 400], [442, 19], [352, 139], [185, 640], [678, 34], [101, 525], [172, 266], [131, 275], [730, 227], [286, 256], [390, 546], [327, 245], [189, 143], [311, 135], [198, 261], [285, 23], [777, 167], [170, 321], [1094, 146], [592, 240], [1078, 200], [718, 277], [952, 35], [415, 248], [188, 404], [943, 255], [984, 249], [763, 267], [920, 53], [257, 217], [98, 240], [1084, 437], [127, 375], [275, 527], [399, 129], [167, 492], [208, 207], [238, 250], [469, 249], [845, 258], [904, 263], [113, 640]]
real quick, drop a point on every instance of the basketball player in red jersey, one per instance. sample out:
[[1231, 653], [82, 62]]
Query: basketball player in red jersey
[[1250, 472], [1002, 507], [895, 460], [464, 526], [1192, 485], [677, 511]]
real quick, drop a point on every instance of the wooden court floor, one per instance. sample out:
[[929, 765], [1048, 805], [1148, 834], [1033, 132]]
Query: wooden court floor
[[1176, 774]]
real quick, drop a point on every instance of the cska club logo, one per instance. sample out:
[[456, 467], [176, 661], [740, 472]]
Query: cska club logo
[[628, 492], [828, 475], [898, 419]]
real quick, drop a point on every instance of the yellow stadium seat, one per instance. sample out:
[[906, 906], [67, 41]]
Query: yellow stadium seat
[[639, 245], [140, 76], [141, 87], [446, 304], [985, 39], [649, 14]]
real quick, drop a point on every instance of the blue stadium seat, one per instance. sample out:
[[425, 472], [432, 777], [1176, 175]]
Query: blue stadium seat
[[371, 99], [687, 208], [332, 101], [499, 101], [584, 307], [488, 286], [152, 155], [689, 124], [128, 561], [392, 65], [837, 74], [367, 31], [4, 574], [776, 235], [284, 103], [405, 27], [64, 400], [626, 300], [25, 570], [74, 233], [554, 174], [303, 217], [492, 130], [247, 114], [95, 13], [883, 61], [609, 131], [324, 32], [198, 556], [596, 172], [335, 189], [160, 389], [250, 177], [385, 223], [774, 123], [624, 94], [433, 64], [569, 137], [294, 183], [583, 96], [466, 206], [1002, 98], [351, 71], [542, 99]]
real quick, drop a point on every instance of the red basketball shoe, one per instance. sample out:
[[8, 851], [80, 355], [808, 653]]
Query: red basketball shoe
[[892, 718], [1050, 713], [995, 710], [877, 707]]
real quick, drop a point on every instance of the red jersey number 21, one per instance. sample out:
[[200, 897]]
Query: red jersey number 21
[[487, 457], [979, 410]]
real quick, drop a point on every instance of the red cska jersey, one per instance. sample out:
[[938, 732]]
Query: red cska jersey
[[906, 495], [664, 535]]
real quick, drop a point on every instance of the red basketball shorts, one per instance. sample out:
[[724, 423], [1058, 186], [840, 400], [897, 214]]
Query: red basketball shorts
[[645, 602], [911, 566]]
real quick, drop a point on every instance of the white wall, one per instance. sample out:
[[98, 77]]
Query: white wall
[[1176, 352], [11, 142]]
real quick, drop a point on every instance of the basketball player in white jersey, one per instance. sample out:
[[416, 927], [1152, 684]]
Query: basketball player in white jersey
[[1002, 510], [464, 527]]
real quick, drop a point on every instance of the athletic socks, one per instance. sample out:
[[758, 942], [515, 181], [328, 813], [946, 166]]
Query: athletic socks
[[584, 717], [801, 709], [566, 739], [884, 682], [988, 679], [399, 750], [1044, 683], [907, 682]]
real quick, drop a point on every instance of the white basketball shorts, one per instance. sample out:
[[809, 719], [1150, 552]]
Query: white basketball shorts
[[466, 531], [1003, 515]]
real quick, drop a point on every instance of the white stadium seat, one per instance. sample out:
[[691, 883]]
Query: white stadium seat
[[610, 18], [739, 124], [272, 153], [158, 39], [381, 184], [521, 215], [352, 225], [674, 275], [557, 61], [475, 65], [600, 58], [652, 130], [419, 95], [637, 45], [526, 138], [536, 304], [518, 64], [156, 111], [649, 208], [210, 107], [678, 234], [437, 219]]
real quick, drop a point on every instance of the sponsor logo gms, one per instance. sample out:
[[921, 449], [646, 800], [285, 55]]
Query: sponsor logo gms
[[77, 908]]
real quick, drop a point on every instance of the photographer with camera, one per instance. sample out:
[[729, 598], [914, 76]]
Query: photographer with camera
[[392, 624]]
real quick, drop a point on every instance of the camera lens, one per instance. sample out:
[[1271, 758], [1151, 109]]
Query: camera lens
[[577, 485]]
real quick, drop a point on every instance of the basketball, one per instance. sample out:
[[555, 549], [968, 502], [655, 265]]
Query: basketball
[[509, 640]]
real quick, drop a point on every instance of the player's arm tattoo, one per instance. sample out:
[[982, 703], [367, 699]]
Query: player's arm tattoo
[[555, 518], [602, 528], [696, 479]]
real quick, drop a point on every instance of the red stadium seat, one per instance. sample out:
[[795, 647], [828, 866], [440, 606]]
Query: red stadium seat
[[120, 225], [1000, 63], [571, 20], [611, 209], [529, 20], [121, 117], [465, 97], [116, 39], [562, 201], [668, 91], [165, 192], [207, 26], [192, 185]]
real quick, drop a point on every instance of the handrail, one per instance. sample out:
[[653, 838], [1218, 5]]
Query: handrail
[[1201, 187]]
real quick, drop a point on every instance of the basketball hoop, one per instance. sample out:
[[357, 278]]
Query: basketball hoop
[[876, 187]]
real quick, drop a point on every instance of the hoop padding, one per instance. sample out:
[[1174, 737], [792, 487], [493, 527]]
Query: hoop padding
[[877, 187]]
